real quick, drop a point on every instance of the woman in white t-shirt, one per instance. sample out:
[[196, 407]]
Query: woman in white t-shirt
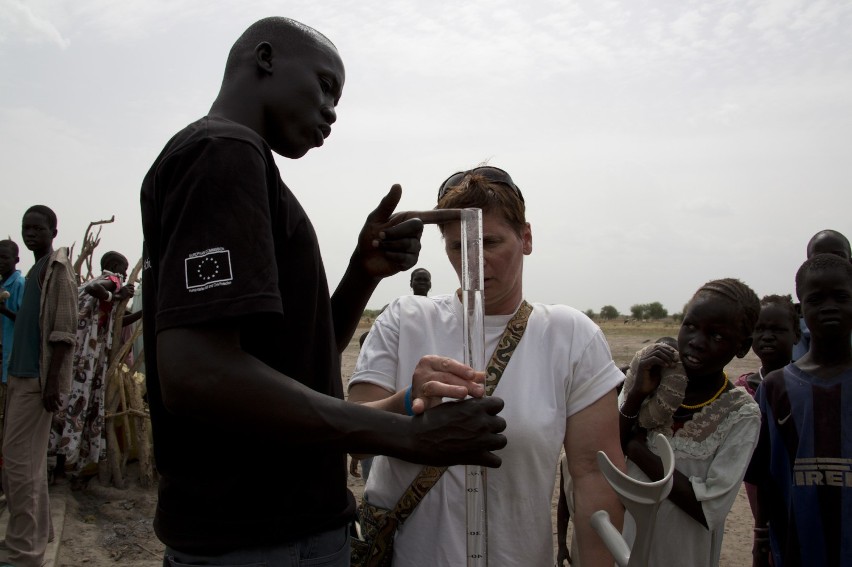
[[558, 388]]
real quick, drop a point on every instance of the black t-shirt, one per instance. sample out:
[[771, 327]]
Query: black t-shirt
[[226, 240]]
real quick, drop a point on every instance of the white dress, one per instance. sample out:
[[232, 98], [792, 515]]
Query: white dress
[[713, 450], [561, 366]]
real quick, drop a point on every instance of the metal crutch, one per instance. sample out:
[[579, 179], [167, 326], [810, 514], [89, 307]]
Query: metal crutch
[[641, 499]]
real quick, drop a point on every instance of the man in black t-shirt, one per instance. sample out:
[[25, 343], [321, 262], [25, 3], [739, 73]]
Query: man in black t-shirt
[[243, 341]]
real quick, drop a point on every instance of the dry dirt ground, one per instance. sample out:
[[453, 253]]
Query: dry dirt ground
[[105, 526]]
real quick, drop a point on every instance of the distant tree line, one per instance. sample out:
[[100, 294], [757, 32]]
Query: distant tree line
[[653, 310], [640, 311]]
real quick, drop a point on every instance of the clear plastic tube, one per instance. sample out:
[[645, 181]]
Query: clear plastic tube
[[474, 356]]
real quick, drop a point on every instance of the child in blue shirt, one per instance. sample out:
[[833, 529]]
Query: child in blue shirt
[[803, 461], [11, 282]]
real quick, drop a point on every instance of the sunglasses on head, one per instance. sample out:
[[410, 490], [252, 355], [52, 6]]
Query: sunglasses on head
[[493, 174]]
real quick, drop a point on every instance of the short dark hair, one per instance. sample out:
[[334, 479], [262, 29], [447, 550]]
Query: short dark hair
[[10, 245], [821, 263], [741, 295], [111, 257], [417, 270], [45, 211], [784, 302]]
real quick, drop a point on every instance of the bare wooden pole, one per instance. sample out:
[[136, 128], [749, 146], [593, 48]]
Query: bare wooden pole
[[123, 399], [89, 244], [141, 427], [123, 392]]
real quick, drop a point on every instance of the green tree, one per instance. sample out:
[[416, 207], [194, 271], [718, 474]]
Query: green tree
[[657, 311], [639, 311], [589, 313], [609, 312]]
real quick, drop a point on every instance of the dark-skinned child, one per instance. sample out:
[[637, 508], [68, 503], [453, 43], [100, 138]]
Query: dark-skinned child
[[775, 334], [40, 370], [803, 462], [711, 425], [823, 242], [11, 293], [77, 437]]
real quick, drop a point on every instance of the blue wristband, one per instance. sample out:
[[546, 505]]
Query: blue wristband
[[408, 409]]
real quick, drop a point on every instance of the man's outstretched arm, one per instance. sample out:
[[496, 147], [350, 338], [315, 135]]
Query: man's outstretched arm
[[389, 243], [205, 375]]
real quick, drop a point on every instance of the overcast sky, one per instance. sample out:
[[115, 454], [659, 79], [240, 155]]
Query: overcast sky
[[659, 144]]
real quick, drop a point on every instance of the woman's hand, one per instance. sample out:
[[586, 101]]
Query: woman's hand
[[439, 377]]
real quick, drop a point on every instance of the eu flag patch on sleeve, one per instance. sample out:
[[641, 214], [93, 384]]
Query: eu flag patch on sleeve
[[210, 268]]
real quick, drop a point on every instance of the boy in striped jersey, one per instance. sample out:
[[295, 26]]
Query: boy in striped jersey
[[803, 461]]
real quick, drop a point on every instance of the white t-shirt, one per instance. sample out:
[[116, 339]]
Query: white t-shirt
[[561, 366]]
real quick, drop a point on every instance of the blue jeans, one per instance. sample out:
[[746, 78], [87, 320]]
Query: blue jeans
[[325, 549]]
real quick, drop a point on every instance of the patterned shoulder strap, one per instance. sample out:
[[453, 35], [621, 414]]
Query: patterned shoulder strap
[[429, 476], [506, 346]]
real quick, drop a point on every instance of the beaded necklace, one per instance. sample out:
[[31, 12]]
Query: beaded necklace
[[711, 400]]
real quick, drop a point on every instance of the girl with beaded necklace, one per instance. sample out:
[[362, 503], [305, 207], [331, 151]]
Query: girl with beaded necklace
[[712, 426]]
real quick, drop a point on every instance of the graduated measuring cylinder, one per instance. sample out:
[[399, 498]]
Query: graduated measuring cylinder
[[474, 356]]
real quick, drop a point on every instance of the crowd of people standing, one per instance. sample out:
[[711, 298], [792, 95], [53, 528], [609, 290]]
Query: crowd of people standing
[[53, 375], [243, 337]]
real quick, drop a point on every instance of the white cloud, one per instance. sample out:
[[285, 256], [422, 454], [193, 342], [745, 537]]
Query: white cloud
[[688, 25], [727, 25], [631, 129], [820, 15], [774, 14], [18, 22], [701, 209]]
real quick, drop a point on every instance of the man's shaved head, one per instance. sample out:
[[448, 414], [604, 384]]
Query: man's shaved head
[[283, 80], [829, 242], [284, 33]]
